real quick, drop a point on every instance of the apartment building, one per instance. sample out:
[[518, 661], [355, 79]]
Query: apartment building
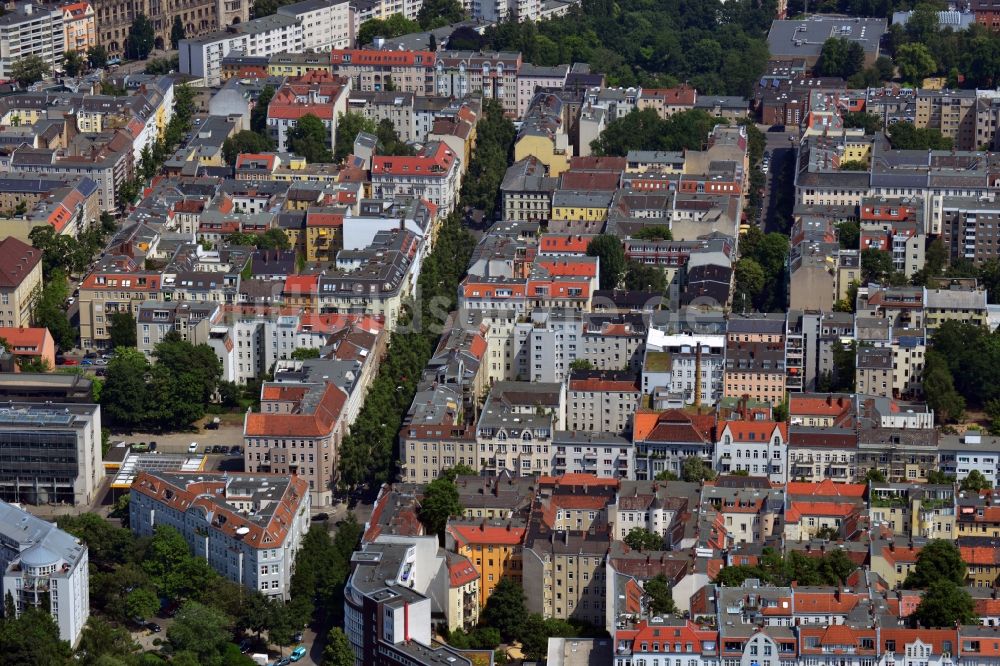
[[527, 191], [758, 448], [31, 30], [30, 345], [202, 56], [261, 518], [688, 365], [433, 174], [396, 107], [20, 281], [297, 431], [544, 134], [961, 454], [46, 568], [52, 453], [434, 437], [601, 401], [663, 440], [326, 24], [79, 26], [494, 547], [375, 70], [200, 17], [516, 425], [605, 454], [532, 78], [490, 74], [494, 11], [952, 112], [316, 93], [970, 227]]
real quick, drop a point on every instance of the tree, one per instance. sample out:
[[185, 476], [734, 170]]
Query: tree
[[840, 57], [666, 475], [304, 353], [258, 115], [849, 235], [97, 56], [854, 165], [73, 63], [915, 63], [936, 476], [122, 330], [828, 532], [733, 576], [389, 142], [245, 141], [125, 397], [177, 32], [694, 469], [611, 259], [338, 650], [141, 37], [876, 265], [646, 130], [654, 232], [349, 125], [641, 277], [975, 482], [905, 136], [394, 26], [437, 13], [100, 638], [440, 502], [945, 604], [937, 560], [33, 638], [199, 629], [432, 43], [310, 138], [749, 281], [50, 313], [141, 603], [639, 538], [869, 122], [465, 38], [939, 388], [30, 69], [661, 601], [874, 475], [505, 610]]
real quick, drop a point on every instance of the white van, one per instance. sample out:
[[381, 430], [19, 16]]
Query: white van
[[192, 447]]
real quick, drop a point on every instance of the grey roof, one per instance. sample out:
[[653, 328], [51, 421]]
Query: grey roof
[[40, 542], [805, 38]]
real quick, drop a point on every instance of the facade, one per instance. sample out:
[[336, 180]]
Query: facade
[[298, 431], [32, 30], [491, 74], [315, 93], [202, 56], [79, 26], [31, 345], [51, 453], [601, 401], [326, 24], [758, 448], [114, 19], [433, 174], [46, 568], [373, 70], [260, 517], [20, 281], [605, 454]]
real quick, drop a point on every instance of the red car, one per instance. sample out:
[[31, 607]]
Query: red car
[[71, 361]]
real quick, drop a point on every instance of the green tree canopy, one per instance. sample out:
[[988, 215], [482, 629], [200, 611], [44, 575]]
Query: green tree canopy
[[937, 560], [905, 136], [177, 32], [975, 482], [939, 388], [915, 63], [437, 13], [646, 130], [310, 138], [642, 277], [97, 56], [694, 469], [611, 259], [840, 57], [945, 604], [73, 63], [639, 538], [505, 609], [440, 502], [141, 37], [869, 122], [50, 311], [122, 330], [29, 69], [661, 599], [258, 115], [245, 141], [338, 650], [201, 630], [33, 638], [654, 232], [349, 125]]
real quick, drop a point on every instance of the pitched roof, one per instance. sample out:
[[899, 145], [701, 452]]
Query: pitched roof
[[487, 534], [17, 259]]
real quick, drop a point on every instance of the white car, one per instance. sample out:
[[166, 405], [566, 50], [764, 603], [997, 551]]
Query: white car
[[192, 447]]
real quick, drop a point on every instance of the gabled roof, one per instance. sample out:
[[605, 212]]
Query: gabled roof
[[17, 259]]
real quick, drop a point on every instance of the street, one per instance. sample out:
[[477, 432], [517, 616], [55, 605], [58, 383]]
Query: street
[[781, 147]]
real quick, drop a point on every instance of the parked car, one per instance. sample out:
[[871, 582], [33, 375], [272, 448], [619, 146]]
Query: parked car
[[235, 451], [192, 447], [298, 653], [297, 638], [245, 646], [100, 361], [70, 361], [211, 425], [321, 516], [86, 361], [284, 661], [153, 627], [152, 446], [90, 355], [208, 449]]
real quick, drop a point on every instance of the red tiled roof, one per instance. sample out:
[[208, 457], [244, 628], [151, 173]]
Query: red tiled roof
[[24, 340], [826, 488], [17, 259], [319, 422], [462, 572], [754, 431], [487, 534], [434, 161], [383, 58], [595, 384]]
